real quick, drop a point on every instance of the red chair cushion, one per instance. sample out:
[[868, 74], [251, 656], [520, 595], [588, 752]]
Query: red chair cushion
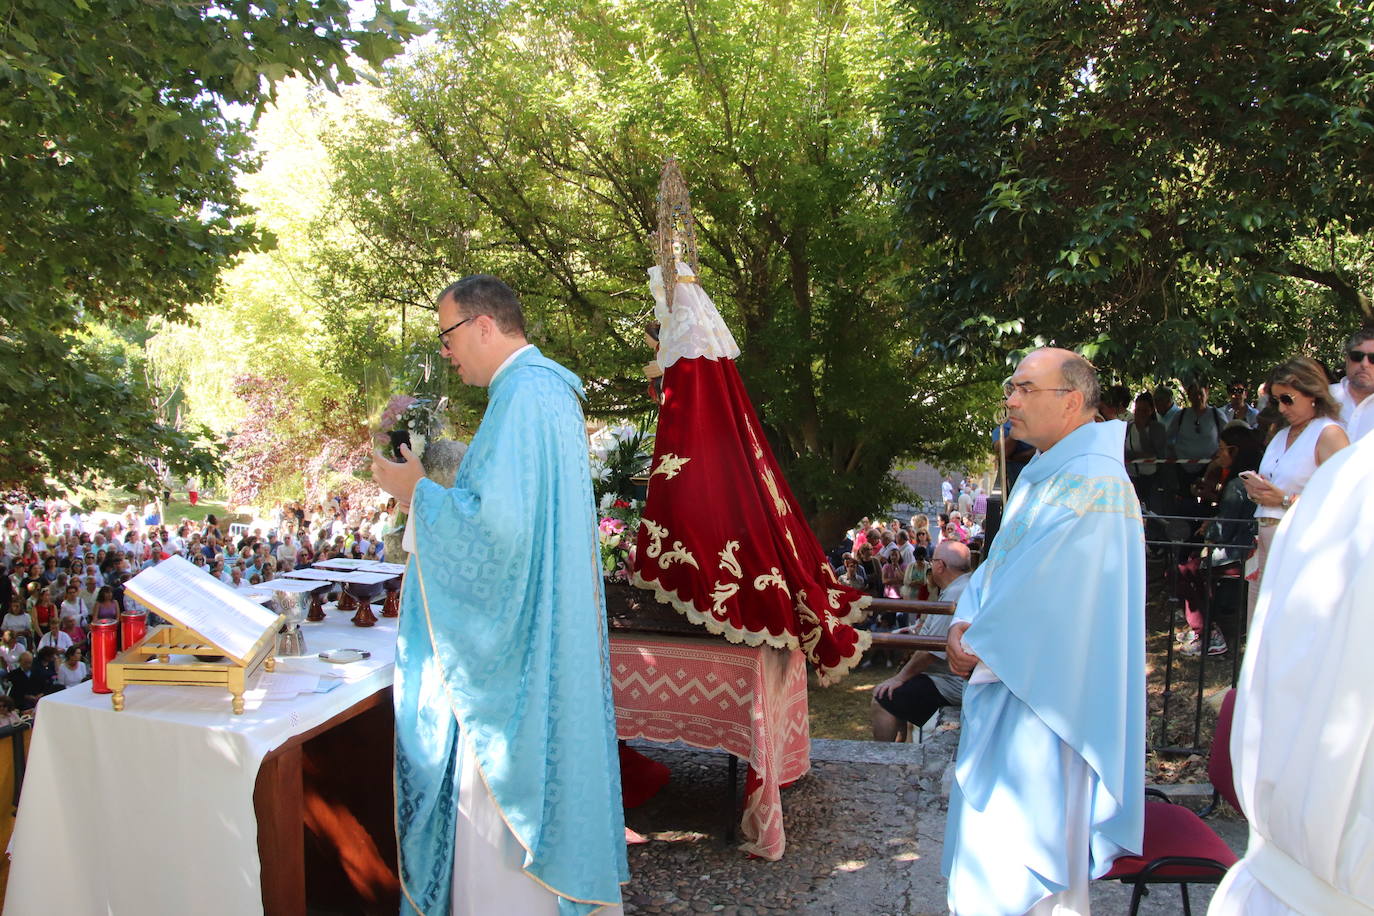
[[1219, 762], [1173, 830]]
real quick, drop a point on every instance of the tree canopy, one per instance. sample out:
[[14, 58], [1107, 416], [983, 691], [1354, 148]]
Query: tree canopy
[[121, 143], [527, 142], [1173, 187]]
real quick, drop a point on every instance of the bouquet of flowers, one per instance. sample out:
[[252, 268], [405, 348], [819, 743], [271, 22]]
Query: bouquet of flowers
[[618, 530], [619, 455], [409, 419]]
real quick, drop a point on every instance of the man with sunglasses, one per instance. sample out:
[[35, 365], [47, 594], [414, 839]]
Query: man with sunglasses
[[1238, 408], [507, 775], [1355, 392]]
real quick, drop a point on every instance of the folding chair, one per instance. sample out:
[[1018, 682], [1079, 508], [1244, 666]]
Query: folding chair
[[1179, 847]]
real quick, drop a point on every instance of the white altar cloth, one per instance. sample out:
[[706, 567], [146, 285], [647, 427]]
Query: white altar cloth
[[150, 810]]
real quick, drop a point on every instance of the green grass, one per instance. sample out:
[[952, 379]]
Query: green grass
[[842, 710], [174, 511]]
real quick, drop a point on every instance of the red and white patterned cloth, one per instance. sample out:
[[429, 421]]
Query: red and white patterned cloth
[[747, 701]]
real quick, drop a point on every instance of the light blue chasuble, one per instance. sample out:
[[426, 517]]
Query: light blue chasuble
[[1057, 613], [503, 634]]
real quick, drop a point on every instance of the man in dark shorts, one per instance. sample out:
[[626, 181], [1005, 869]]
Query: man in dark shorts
[[925, 683]]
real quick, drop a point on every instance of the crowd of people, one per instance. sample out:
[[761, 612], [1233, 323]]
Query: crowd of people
[[61, 568], [1230, 473], [1224, 475]]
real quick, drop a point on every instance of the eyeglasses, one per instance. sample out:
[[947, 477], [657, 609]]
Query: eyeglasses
[[1238, 391], [443, 335], [1025, 389], [1359, 356], [1286, 400]]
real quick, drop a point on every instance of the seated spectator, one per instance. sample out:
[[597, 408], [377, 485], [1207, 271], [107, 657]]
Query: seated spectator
[[74, 607], [73, 670], [18, 619], [33, 580], [44, 610], [925, 683], [90, 589], [56, 637], [106, 607], [11, 646], [29, 683]]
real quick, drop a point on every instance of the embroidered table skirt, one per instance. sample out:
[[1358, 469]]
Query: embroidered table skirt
[[750, 702]]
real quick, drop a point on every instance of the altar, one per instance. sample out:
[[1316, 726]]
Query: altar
[[152, 810]]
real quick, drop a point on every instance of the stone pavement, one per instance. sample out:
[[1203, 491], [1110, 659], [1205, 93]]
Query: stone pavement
[[864, 836]]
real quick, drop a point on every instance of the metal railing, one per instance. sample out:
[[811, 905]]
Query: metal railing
[[1220, 593]]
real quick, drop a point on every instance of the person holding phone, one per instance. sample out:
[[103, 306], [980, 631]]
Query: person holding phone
[[1311, 436]]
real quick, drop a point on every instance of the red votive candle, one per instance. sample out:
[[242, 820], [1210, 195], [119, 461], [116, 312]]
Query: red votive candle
[[102, 651], [133, 626]]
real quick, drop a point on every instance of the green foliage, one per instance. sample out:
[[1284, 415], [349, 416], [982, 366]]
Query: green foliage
[[527, 142], [118, 158], [1181, 188]]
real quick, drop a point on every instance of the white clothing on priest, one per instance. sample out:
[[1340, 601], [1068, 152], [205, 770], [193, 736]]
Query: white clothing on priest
[[1302, 743]]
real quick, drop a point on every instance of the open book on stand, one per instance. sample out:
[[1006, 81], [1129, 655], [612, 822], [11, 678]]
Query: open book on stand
[[208, 620]]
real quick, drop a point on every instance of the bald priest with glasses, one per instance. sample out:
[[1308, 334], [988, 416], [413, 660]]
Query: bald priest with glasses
[[1049, 779]]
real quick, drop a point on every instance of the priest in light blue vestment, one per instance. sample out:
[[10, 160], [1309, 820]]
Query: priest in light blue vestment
[[1049, 780], [502, 656]]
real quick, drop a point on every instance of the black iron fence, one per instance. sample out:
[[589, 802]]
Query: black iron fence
[[1194, 574]]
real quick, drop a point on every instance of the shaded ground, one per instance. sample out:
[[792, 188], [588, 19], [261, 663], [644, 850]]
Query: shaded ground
[[864, 835]]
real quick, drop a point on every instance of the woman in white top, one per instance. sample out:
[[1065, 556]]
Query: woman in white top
[[1312, 435], [73, 670]]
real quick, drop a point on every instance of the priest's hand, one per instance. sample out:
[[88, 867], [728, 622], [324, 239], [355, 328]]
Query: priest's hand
[[398, 478], [961, 661]]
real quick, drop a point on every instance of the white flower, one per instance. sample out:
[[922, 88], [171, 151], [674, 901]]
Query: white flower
[[606, 500]]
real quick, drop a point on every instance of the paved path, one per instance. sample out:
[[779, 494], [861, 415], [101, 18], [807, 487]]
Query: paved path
[[864, 836]]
